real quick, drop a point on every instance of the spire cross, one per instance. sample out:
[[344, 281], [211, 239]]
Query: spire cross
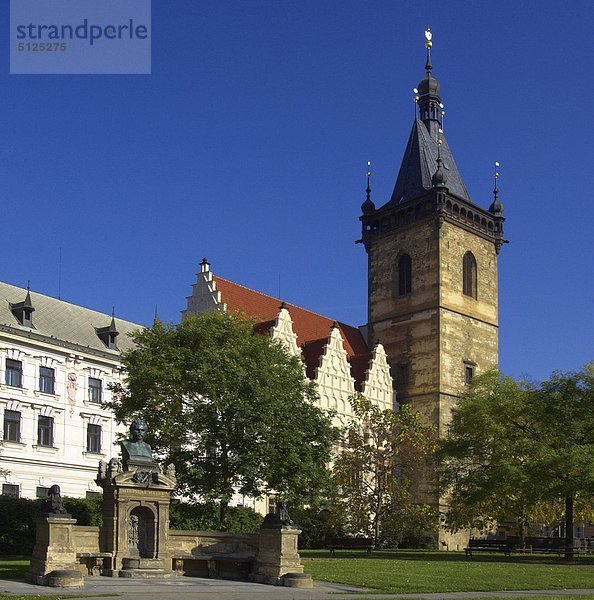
[[368, 190], [428, 44]]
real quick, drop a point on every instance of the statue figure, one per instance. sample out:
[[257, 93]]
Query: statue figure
[[279, 519], [115, 467], [54, 505], [102, 469], [283, 513], [136, 449], [170, 472], [133, 532]]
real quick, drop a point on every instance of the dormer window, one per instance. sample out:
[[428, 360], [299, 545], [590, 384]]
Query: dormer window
[[108, 335], [23, 311]]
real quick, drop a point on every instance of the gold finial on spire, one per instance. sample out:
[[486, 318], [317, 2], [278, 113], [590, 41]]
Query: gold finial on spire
[[428, 44], [368, 190]]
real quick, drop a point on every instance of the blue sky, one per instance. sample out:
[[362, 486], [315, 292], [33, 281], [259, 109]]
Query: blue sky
[[248, 145]]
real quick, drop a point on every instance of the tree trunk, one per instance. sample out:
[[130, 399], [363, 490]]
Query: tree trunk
[[521, 528], [223, 505], [569, 528]]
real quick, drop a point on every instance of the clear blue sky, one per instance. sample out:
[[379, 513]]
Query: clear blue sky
[[248, 145]]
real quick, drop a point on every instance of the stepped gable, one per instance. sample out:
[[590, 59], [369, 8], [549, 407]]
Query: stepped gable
[[312, 329]]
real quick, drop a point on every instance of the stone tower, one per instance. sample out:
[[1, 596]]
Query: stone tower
[[432, 271]]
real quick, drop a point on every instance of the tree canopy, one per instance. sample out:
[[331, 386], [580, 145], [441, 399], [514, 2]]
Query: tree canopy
[[518, 449], [380, 450], [232, 410]]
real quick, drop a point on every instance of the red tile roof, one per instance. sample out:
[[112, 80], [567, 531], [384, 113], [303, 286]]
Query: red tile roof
[[306, 324], [312, 329]]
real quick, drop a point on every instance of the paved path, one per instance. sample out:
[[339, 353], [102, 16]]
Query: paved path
[[216, 589]]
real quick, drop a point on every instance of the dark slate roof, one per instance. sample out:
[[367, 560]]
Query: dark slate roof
[[420, 163], [63, 321]]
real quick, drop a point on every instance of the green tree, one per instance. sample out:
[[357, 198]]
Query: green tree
[[485, 456], [232, 410], [517, 449], [380, 450], [564, 468]]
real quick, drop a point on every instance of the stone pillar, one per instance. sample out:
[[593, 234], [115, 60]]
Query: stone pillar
[[53, 561], [278, 558]]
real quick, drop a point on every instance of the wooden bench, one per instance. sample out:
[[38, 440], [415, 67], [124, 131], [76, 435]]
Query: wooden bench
[[542, 545], [350, 543], [505, 546]]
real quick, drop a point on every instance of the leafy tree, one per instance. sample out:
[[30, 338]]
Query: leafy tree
[[381, 448], [486, 453], [517, 449], [232, 410], [564, 468]]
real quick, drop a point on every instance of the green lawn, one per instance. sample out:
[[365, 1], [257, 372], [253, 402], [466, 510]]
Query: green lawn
[[13, 567], [415, 572]]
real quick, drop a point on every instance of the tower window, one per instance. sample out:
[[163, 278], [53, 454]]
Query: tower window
[[402, 374], [468, 374], [469, 275], [403, 276]]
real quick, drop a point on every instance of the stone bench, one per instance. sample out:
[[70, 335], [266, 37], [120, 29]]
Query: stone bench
[[214, 566], [92, 561]]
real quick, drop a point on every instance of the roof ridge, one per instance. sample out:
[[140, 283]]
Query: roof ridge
[[279, 300], [70, 303]]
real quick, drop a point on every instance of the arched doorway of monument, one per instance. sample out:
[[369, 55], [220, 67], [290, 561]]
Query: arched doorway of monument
[[141, 533]]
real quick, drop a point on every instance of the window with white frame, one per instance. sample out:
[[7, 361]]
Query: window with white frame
[[12, 426], [47, 378], [45, 431], [13, 374]]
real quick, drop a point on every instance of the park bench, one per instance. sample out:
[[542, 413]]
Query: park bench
[[544, 545], [475, 545], [350, 543]]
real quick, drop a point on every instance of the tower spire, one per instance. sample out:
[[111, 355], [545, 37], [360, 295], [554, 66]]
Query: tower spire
[[496, 207], [368, 206]]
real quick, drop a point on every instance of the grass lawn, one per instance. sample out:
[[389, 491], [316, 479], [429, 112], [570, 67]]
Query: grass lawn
[[413, 572]]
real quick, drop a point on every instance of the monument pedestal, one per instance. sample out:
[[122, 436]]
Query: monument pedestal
[[136, 521], [278, 558], [53, 561]]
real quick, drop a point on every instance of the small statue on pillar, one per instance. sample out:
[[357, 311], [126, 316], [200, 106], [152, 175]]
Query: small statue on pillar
[[54, 505]]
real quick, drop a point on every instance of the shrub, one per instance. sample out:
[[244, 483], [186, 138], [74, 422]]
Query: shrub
[[205, 517]]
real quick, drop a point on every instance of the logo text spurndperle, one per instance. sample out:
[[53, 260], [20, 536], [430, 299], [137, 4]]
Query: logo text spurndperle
[[84, 31]]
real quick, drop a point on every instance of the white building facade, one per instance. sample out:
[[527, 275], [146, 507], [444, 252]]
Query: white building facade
[[57, 361]]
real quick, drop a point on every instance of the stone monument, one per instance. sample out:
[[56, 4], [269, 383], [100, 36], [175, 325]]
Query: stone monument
[[278, 558], [53, 561], [136, 497]]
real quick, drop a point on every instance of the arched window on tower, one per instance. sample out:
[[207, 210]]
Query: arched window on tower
[[469, 275], [403, 276]]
